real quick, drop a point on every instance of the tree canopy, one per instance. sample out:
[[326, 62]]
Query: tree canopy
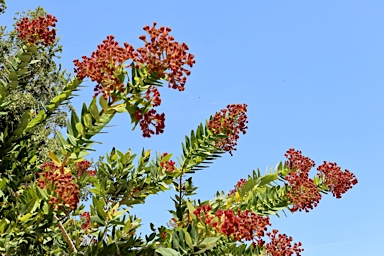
[[46, 180]]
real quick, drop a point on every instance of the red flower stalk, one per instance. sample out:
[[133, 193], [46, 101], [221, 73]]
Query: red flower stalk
[[164, 56], [37, 30], [168, 165], [65, 192], [303, 193], [338, 181], [151, 118], [230, 122], [238, 186], [105, 66], [281, 245]]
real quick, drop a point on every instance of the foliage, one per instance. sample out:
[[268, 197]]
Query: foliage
[[43, 201], [40, 83]]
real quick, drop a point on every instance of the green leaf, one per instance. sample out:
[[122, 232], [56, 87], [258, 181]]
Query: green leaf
[[80, 128], [87, 119], [209, 242], [95, 191], [100, 209], [3, 225], [127, 226], [14, 84], [54, 158], [13, 76], [188, 240], [38, 119], [23, 123], [97, 220], [167, 252], [103, 103], [93, 110], [32, 48], [268, 178], [25, 57], [21, 72], [42, 192], [3, 183], [63, 142], [25, 218], [34, 61], [46, 208], [33, 159], [166, 158]]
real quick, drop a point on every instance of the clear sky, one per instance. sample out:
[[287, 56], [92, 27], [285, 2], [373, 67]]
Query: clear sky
[[311, 73]]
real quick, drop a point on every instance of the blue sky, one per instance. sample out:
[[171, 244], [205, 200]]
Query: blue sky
[[311, 73]]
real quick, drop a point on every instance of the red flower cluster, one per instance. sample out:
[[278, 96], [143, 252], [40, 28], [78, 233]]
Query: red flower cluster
[[65, 190], [203, 213], [296, 161], [303, 192], [245, 225], [163, 56], [230, 121], [82, 167], [105, 66], [248, 226], [87, 217], [168, 165], [155, 97], [238, 185], [338, 181], [281, 245], [37, 30], [151, 118]]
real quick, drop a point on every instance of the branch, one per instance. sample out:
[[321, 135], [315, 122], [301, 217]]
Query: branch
[[66, 237]]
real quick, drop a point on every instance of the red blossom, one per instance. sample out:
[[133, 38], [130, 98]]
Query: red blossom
[[155, 97], [164, 56], [92, 172], [87, 217], [168, 165], [82, 167], [65, 190], [203, 213], [238, 186], [151, 118], [296, 161], [37, 30], [246, 225], [338, 181], [230, 122], [105, 66], [280, 245], [303, 192]]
